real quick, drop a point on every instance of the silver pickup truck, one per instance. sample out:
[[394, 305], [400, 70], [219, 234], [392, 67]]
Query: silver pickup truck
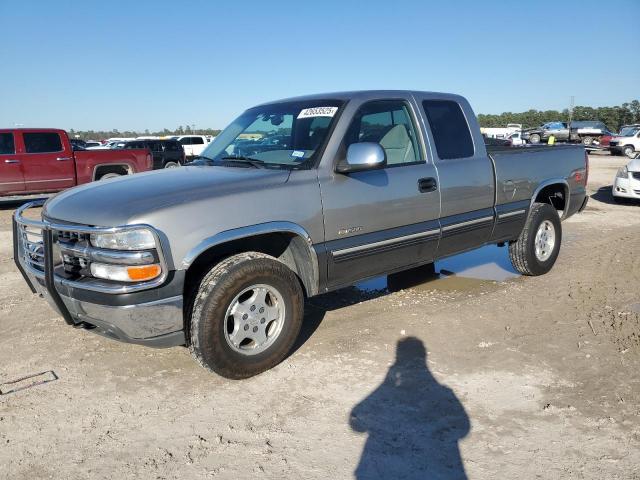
[[293, 199]]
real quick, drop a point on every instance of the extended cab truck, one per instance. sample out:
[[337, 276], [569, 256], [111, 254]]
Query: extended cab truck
[[220, 255], [36, 160]]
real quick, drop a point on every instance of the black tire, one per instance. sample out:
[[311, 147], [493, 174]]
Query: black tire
[[522, 252], [534, 138], [218, 289], [171, 164], [629, 151]]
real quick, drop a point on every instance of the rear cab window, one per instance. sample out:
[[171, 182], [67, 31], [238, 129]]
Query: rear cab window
[[7, 144], [42, 142], [449, 128]]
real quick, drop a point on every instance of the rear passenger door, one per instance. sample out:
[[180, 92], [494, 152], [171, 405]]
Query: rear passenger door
[[382, 220], [11, 179], [47, 163], [465, 174]]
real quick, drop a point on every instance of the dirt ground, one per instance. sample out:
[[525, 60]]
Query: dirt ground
[[477, 372]]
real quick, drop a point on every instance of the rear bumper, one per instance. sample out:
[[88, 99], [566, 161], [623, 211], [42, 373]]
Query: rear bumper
[[151, 317]]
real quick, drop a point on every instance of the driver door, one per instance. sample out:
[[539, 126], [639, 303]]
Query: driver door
[[377, 221]]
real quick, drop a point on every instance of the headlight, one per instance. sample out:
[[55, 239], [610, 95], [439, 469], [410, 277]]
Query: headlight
[[623, 173], [138, 239], [124, 273]]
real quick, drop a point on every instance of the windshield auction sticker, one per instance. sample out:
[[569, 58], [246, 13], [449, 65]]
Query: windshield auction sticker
[[318, 112]]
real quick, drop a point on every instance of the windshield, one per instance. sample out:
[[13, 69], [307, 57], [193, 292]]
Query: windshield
[[281, 135], [629, 131]]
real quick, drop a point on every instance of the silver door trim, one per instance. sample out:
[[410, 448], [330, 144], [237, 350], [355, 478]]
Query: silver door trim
[[511, 214], [464, 224], [382, 243]]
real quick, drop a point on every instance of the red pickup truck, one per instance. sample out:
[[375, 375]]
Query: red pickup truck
[[41, 160]]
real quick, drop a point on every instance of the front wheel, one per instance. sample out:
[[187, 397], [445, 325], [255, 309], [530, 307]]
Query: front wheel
[[537, 248], [171, 165], [246, 315], [629, 151], [587, 141], [534, 138]]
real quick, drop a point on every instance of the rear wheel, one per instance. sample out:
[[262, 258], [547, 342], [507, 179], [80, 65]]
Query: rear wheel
[[537, 248], [171, 165], [534, 138], [246, 315], [107, 176]]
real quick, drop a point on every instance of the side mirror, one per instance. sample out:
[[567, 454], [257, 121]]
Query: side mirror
[[363, 156]]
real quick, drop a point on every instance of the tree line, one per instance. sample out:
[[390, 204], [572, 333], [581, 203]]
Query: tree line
[[165, 132], [612, 117]]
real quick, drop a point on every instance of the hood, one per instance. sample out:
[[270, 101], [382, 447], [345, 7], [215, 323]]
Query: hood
[[117, 201], [634, 165]]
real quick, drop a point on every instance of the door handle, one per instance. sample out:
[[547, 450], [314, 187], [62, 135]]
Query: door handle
[[62, 159], [11, 161], [428, 184]]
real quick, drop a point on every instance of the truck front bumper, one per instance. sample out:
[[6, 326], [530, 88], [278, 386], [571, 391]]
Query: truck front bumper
[[150, 317]]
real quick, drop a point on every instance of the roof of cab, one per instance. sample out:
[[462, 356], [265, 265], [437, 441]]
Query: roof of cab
[[365, 95]]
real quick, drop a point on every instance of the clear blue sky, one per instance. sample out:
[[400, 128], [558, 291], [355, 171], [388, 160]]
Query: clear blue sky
[[90, 64]]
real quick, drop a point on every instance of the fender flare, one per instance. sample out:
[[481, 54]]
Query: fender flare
[[554, 181], [254, 230]]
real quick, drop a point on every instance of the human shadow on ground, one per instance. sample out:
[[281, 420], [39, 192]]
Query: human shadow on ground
[[413, 423]]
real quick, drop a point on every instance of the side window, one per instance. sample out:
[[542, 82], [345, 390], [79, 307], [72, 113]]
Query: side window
[[155, 146], [7, 145], [387, 122], [197, 141], [449, 128], [42, 142], [172, 146]]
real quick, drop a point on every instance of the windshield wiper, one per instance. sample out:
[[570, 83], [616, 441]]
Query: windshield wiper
[[251, 161], [201, 157]]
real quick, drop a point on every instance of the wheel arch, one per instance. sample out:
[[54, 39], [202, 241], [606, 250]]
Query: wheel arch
[[288, 242], [547, 192], [103, 168]]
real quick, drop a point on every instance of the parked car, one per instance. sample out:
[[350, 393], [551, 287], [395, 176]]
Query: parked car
[[220, 255], [166, 153], [193, 145], [627, 144], [626, 185], [516, 139], [39, 160], [560, 130], [91, 143]]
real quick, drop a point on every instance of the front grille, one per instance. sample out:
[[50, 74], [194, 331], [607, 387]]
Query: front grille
[[32, 250], [613, 144], [636, 175]]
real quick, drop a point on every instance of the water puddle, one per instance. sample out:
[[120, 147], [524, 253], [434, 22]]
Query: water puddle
[[468, 271]]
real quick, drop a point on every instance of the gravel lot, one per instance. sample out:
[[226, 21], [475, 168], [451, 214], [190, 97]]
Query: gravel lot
[[481, 373]]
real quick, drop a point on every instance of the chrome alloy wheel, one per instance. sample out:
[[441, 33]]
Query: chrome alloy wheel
[[545, 240], [254, 319]]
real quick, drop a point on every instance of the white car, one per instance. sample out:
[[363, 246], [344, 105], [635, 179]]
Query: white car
[[516, 139], [193, 145], [627, 181]]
